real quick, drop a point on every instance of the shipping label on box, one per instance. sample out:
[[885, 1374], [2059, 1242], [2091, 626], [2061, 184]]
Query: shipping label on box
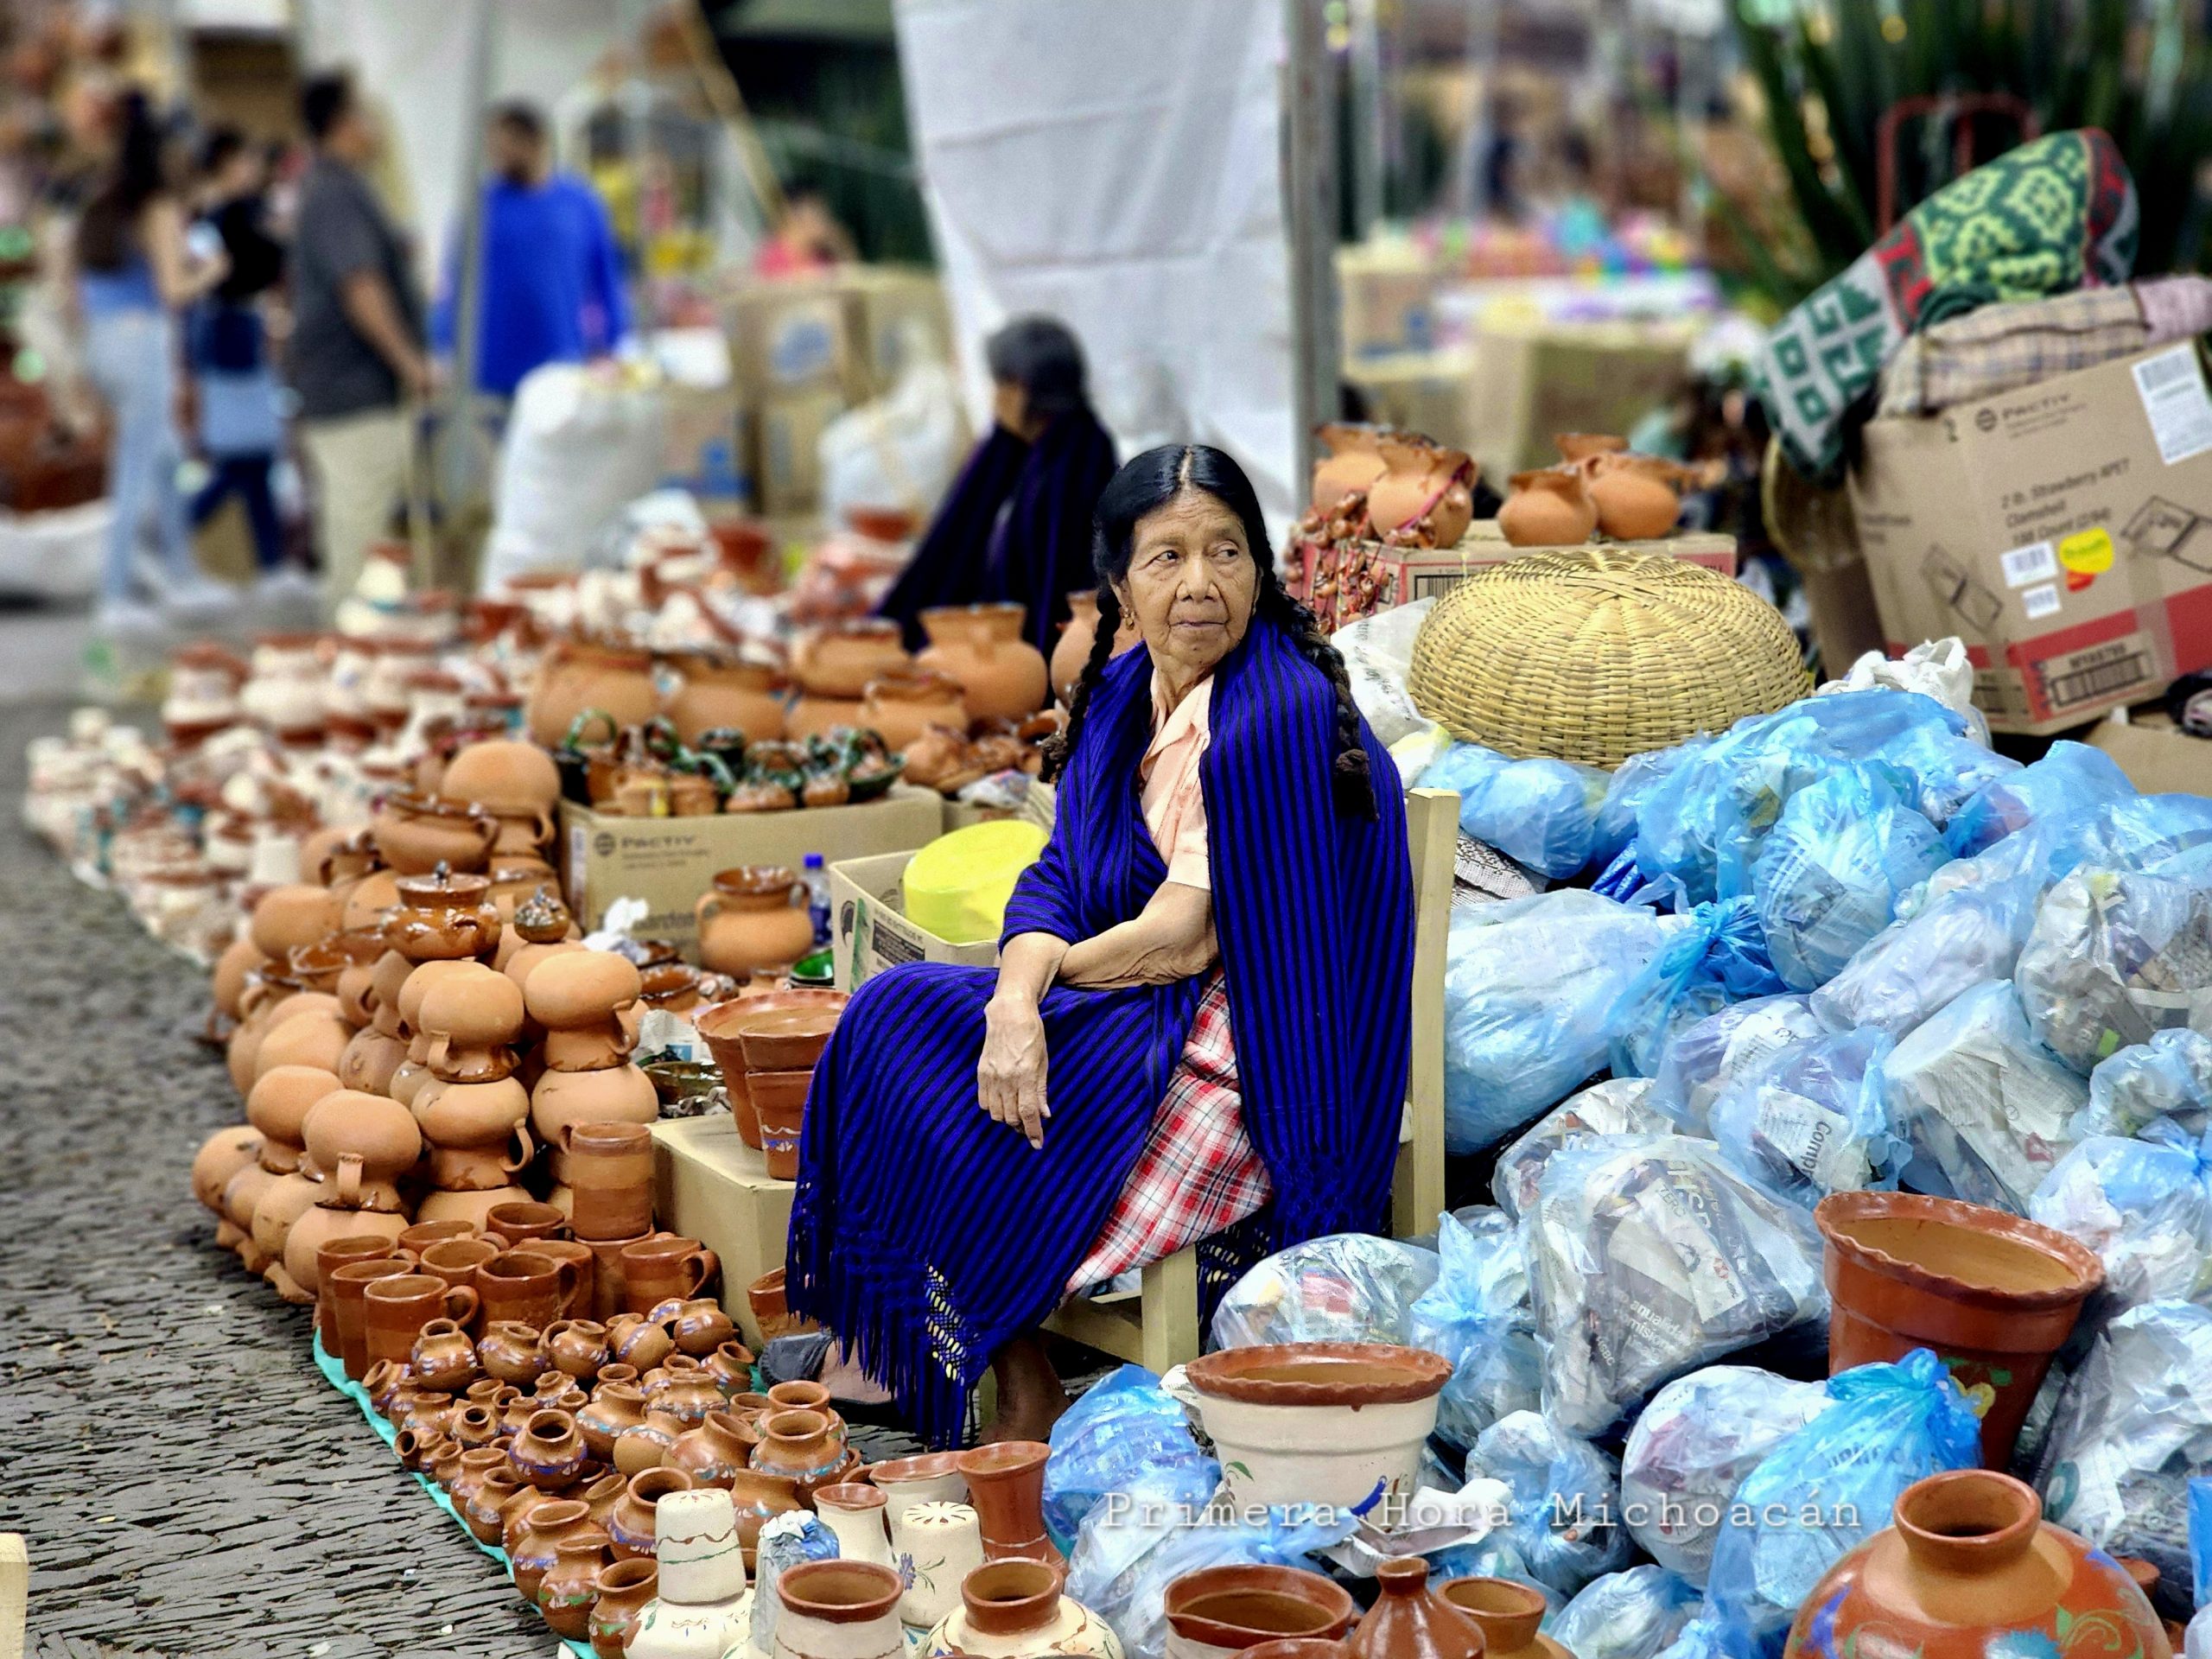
[[869, 928]]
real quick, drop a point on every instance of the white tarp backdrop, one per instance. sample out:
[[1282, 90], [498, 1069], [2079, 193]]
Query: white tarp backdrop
[[1115, 163]]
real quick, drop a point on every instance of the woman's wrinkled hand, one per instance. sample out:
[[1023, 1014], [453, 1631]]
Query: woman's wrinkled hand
[[1010, 1076]]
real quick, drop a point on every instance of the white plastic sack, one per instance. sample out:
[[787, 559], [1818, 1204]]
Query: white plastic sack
[[581, 443], [1935, 668], [1378, 651], [1616, 1106], [899, 452]]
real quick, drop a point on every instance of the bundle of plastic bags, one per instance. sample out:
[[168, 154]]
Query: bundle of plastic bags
[[1631, 786], [2071, 776], [1527, 987], [1616, 1106], [2166, 835], [1630, 1615], [1719, 957], [1564, 1507], [1987, 1110], [2135, 1424], [1340, 1288], [1477, 1316], [1691, 1447], [2143, 1206], [1911, 968], [2169, 1077], [1809, 1120], [2115, 958], [1542, 812], [1124, 1435], [1831, 871], [1699, 1061], [1378, 654], [1647, 1257], [1830, 1486]]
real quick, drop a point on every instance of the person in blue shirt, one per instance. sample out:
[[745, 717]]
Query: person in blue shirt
[[551, 290]]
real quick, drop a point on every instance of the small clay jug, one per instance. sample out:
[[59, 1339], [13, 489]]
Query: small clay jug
[[760, 1495], [636, 1340], [1006, 1484], [474, 1425], [615, 1408], [486, 1508], [899, 708], [601, 1496], [630, 1526], [800, 1445], [731, 1366], [682, 1389], [625, 1589], [1509, 1616], [543, 1527], [1548, 507], [512, 1352], [549, 1452], [443, 1357], [566, 1593], [1410, 1621], [1002, 676], [560, 1391], [576, 1346], [1352, 464], [748, 918], [1425, 493], [713, 1451], [476, 1463], [1636, 496], [645, 1445], [699, 1325]]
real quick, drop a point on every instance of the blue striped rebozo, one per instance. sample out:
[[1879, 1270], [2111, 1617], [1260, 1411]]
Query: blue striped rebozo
[[924, 1233]]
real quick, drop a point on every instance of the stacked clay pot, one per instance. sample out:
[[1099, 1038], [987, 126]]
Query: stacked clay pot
[[514, 782], [471, 1108], [587, 1002]]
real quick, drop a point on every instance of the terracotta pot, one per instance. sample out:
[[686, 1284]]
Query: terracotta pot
[[731, 1365], [349, 1284], [713, 1452], [396, 1309], [1575, 448], [377, 1135], [442, 917], [839, 1609], [503, 775], [1636, 495], [417, 832], [723, 1026], [1321, 1422], [748, 919], [307, 1037], [1509, 1615], [328, 1219], [1002, 676], [698, 1324], [476, 1133], [716, 690], [1012, 1609], [645, 1444], [297, 913], [277, 1107], [221, 1155], [567, 1593], [371, 1060], [787, 1039], [615, 1408], [486, 1513], [1968, 1567], [1006, 1484], [631, 1525], [1410, 1621], [616, 1093], [639, 1342], [549, 1453], [665, 1269], [801, 1445], [681, 1388], [1078, 635], [1425, 493], [544, 1527], [576, 676], [926, 1477], [443, 1357], [468, 1206], [474, 1424], [771, 1311], [471, 1019], [524, 1288], [780, 1103], [625, 1588], [577, 1347], [1350, 467], [512, 1351], [1548, 507], [838, 660], [899, 708], [477, 1464], [1237, 1606], [1994, 1295], [610, 1170]]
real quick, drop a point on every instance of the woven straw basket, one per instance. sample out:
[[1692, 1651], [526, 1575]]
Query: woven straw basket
[[1594, 655]]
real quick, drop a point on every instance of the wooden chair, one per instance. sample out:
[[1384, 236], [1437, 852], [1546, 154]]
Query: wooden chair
[[1157, 1324], [15, 1593]]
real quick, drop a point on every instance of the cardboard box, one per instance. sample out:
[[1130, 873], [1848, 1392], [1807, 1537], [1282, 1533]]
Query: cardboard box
[[1384, 298], [702, 444], [790, 336], [1543, 377], [2157, 756], [894, 311], [869, 929], [709, 1185], [671, 862], [787, 450], [2063, 530]]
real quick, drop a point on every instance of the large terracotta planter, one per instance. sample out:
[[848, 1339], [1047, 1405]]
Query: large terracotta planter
[[1968, 1569], [1221, 1610], [1994, 1295], [576, 676], [1318, 1422], [1002, 676], [1410, 1621]]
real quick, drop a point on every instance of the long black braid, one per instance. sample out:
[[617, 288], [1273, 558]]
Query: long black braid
[[1149, 482]]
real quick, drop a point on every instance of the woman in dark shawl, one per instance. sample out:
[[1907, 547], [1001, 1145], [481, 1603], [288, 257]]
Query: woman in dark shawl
[[1016, 524], [1229, 857]]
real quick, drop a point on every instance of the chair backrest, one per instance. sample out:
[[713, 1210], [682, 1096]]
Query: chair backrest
[[1433, 841]]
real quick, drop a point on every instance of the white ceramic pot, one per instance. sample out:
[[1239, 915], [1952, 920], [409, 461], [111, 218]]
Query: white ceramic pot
[[854, 1514], [838, 1609], [702, 1609], [286, 691], [1339, 1423], [934, 1546], [1011, 1609], [675, 1630], [931, 1478]]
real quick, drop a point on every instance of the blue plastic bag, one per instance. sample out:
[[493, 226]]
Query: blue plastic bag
[[1910, 969], [1808, 1120], [1338, 1288], [787, 1540], [1632, 786], [2169, 835], [1719, 958], [1477, 1316], [1123, 1435], [1833, 1484], [1831, 871], [1616, 1106], [1565, 1507], [1527, 985], [1541, 812], [2169, 1077], [2115, 958], [1630, 1615], [1122, 1566], [2143, 1206], [1699, 1061], [2071, 776]]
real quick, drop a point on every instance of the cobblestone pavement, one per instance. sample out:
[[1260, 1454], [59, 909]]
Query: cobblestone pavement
[[186, 1483]]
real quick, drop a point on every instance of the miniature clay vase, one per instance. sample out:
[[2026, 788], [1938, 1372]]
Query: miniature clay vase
[[543, 1529], [715, 689], [1636, 496], [1410, 1621], [1217, 1609], [576, 676], [837, 661], [577, 1347], [682, 1389], [632, 1521], [1509, 1616], [638, 1341], [747, 919], [486, 1510], [549, 1452], [713, 1452], [760, 1497], [1548, 507], [1000, 674], [645, 1444], [443, 1357], [567, 1593], [1011, 1609], [899, 708], [1994, 1294], [417, 832], [624, 1590], [615, 1408], [510, 1351], [1425, 493], [731, 1366], [838, 1609], [1005, 1484], [853, 1510], [1967, 1567], [934, 1546]]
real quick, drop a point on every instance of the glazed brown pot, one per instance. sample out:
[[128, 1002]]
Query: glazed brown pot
[[668, 1268], [1006, 1484], [442, 917], [349, 1284], [416, 833], [577, 1347], [1994, 1294], [1548, 507], [1000, 674], [631, 1525], [576, 676], [624, 1589], [1509, 1616], [731, 1366], [396, 1309], [566, 1594], [685, 1389], [713, 1452], [1410, 1621], [525, 1287], [1238, 1606], [443, 1357], [747, 919], [544, 1527], [610, 1170]]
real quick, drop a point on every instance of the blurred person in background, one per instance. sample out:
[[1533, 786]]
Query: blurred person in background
[[357, 334], [1016, 523], [807, 240], [241, 424], [551, 285], [134, 274]]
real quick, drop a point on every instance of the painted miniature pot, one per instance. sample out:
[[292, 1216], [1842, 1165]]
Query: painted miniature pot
[[838, 660], [698, 1324], [443, 1357], [899, 708], [474, 1425], [748, 919], [1509, 1616], [630, 1525], [1012, 1609], [1005, 1484], [713, 1452], [1634, 495], [624, 1588], [1994, 1295], [549, 1453], [477, 1462], [1225, 1609], [647, 1443], [934, 1547], [485, 1512], [1548, 507], [512, 1351], [577, 676], [636, 1340], [803, 1446], [1410, 1621], [615, 1408], [682, 1389], [542, 1530], [1000, 674], [718, 690], [800, 1397], [567, 1593], [731, 1366], [761, 1495], [1969, 1568], [1320, 1422], [576, 1346]]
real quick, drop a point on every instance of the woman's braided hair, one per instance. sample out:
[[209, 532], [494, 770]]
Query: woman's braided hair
[[1150, 482]]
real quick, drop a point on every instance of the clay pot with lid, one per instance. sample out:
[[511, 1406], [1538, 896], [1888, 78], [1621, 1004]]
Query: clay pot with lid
[[417, 832], [443, 917], [1994, 1294], [1237, 1606], [1550, 507], [1410, 1621], [1002, 676], [899, 708], [1968, 1567], [297, 914], [747, 919], [578, 676], [625, 1588], [1509, 1616], [717, 688], [1005, 1484], [1638, 497]]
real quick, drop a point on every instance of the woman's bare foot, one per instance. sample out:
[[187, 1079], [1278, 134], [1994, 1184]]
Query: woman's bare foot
[[1031, 1397]]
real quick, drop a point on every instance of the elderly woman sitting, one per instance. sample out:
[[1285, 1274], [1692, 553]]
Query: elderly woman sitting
[[1229, 857]]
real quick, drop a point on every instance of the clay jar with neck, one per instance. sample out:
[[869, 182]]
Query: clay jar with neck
[[1011, 1609], [1006, 1484], [576, 676], [1352, 465], [1410, 1621], [1636, 496], [1424, 494], [624, 1589], [1548, 507], [417, 832], [1002, 676], [748, 919], [1509, 1615], [715, 689], [899, 708]]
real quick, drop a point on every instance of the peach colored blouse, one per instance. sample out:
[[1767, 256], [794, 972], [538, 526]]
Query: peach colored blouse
[[1174, 806]]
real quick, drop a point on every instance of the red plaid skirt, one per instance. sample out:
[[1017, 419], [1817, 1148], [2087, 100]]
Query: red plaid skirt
[[1198, 1172]]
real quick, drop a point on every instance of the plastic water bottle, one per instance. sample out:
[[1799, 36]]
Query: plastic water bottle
[[817, 896]]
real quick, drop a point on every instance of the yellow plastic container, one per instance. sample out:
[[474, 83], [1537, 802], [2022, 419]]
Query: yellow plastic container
[[957, 885]]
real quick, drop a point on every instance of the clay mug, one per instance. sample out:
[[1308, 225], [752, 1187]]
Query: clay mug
[[610, 1167], [587, 1266], [456, 1260], [348, 1284], [396, 1309], [334, 1254], [420, 1237], [656, 1270], [521, 1224], [528, 1289]]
